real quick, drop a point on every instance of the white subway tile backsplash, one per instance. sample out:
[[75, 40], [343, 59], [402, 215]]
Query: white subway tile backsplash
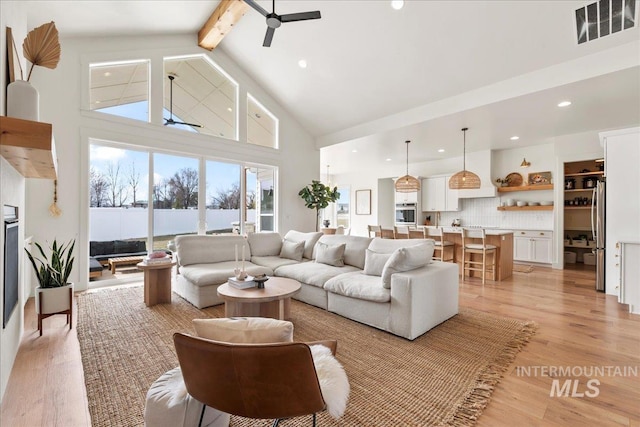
[[484, 212]]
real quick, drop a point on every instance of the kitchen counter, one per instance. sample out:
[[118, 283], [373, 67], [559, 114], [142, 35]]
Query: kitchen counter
[[502, 239]]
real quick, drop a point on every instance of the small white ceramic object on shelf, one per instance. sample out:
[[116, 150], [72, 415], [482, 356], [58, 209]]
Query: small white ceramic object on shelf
[[511, 202], [521, 203], [534, 203]]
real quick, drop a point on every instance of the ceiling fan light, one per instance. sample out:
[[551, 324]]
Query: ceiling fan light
[[464, 180]]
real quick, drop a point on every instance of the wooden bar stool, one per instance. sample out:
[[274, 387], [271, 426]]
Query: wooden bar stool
[[401, 232], [375, 229], [442, 248], [483, 248]]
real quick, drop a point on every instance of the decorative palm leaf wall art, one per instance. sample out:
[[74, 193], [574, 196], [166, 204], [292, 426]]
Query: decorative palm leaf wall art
[[41, 47]]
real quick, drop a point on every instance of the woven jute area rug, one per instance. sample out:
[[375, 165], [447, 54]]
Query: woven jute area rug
[[444, 377]]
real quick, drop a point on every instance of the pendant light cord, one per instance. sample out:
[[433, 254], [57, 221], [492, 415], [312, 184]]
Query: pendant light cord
[[464, 148], [407, 143]]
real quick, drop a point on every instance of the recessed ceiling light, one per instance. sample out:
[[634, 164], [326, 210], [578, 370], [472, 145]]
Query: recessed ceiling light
[[514, 138], [97, 102], [354, 151], [229, 109], [441, 150], [107, 74], [397, 4], [388, 160], [564, 104], [302, 63]]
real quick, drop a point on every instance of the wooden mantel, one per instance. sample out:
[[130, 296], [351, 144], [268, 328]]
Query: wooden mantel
[[29, 147]]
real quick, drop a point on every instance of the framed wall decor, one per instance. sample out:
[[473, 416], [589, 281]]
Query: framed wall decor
[[363, 202], [538, 178]]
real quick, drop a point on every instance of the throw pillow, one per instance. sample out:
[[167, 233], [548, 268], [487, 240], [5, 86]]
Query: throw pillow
[[406, 259], [244, 330], [292, 250], [330, 254], [374, 262]]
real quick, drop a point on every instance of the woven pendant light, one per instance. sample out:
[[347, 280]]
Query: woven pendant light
[[464, 180], [407, 183]]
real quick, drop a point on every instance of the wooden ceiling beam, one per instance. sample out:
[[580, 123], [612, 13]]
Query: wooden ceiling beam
[[221, 21]]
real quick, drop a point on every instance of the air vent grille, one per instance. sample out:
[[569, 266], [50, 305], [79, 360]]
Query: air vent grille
[[604, 17]]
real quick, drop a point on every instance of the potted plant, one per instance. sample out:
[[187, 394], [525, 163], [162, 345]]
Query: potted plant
[[318, 196], [504, 182], [54, 295]]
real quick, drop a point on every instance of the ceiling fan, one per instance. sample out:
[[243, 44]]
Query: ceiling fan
[[170, 120], [274, 20]]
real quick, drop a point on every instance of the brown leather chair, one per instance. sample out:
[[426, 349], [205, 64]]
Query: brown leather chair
[[251, 380]]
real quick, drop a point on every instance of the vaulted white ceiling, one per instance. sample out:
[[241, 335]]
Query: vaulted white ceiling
[[377, 76]]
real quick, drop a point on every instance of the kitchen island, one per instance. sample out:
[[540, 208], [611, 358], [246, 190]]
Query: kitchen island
[[502, 239]]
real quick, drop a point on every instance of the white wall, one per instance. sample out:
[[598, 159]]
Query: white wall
[[64, 94], [12, 192]]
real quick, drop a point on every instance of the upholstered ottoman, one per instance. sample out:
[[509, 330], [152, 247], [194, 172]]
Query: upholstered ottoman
[[169, 405]]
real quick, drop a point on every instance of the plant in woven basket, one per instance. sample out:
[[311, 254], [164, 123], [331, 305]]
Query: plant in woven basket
[[503, 181], [318, 196], [41, 47]]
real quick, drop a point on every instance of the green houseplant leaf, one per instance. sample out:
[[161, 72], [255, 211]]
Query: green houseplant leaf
[[55, 272], [318, 196]]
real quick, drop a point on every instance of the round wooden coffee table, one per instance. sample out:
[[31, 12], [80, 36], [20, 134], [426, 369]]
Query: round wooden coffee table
[[272, 301]]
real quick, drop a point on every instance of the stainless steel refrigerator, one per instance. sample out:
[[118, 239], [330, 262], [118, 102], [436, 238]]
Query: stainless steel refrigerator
[[598, 203]]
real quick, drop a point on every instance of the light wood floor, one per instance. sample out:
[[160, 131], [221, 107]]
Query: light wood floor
[[577, 327]]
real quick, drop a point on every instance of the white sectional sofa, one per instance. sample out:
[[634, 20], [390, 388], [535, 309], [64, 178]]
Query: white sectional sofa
[[389, 284]]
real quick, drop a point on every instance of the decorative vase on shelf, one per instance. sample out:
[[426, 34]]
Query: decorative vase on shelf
[[23, 101]]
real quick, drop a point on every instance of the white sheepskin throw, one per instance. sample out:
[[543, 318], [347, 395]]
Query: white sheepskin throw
[[334, 383]]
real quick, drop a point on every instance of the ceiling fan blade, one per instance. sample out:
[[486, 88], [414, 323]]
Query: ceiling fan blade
[[173, 122], [257, 7], [303, 16], [268, 37]]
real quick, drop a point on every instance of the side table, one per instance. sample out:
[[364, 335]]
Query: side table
[[157, 282]]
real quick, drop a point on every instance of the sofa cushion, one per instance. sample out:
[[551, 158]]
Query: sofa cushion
[[406, 259], [330, 254], [101, 248], [387, 246], [292, 250], [244, 330], [129, 246], [359, 285], [218, 273], [355, 247], [374, 262], [272, 262], [210, 249], [309, 240], [312, 273], [264, 244]]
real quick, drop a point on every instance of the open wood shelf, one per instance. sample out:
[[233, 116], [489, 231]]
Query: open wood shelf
[[28, 146], [578, 190], [577, 207], [525, 208], [525, 188], [584, 173]]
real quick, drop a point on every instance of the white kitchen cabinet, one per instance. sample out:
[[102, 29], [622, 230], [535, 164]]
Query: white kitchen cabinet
[[533, 246], [406, 197], [436, 195]]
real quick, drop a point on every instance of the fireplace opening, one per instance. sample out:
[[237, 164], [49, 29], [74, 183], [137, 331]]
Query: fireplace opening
[[11, 248]]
